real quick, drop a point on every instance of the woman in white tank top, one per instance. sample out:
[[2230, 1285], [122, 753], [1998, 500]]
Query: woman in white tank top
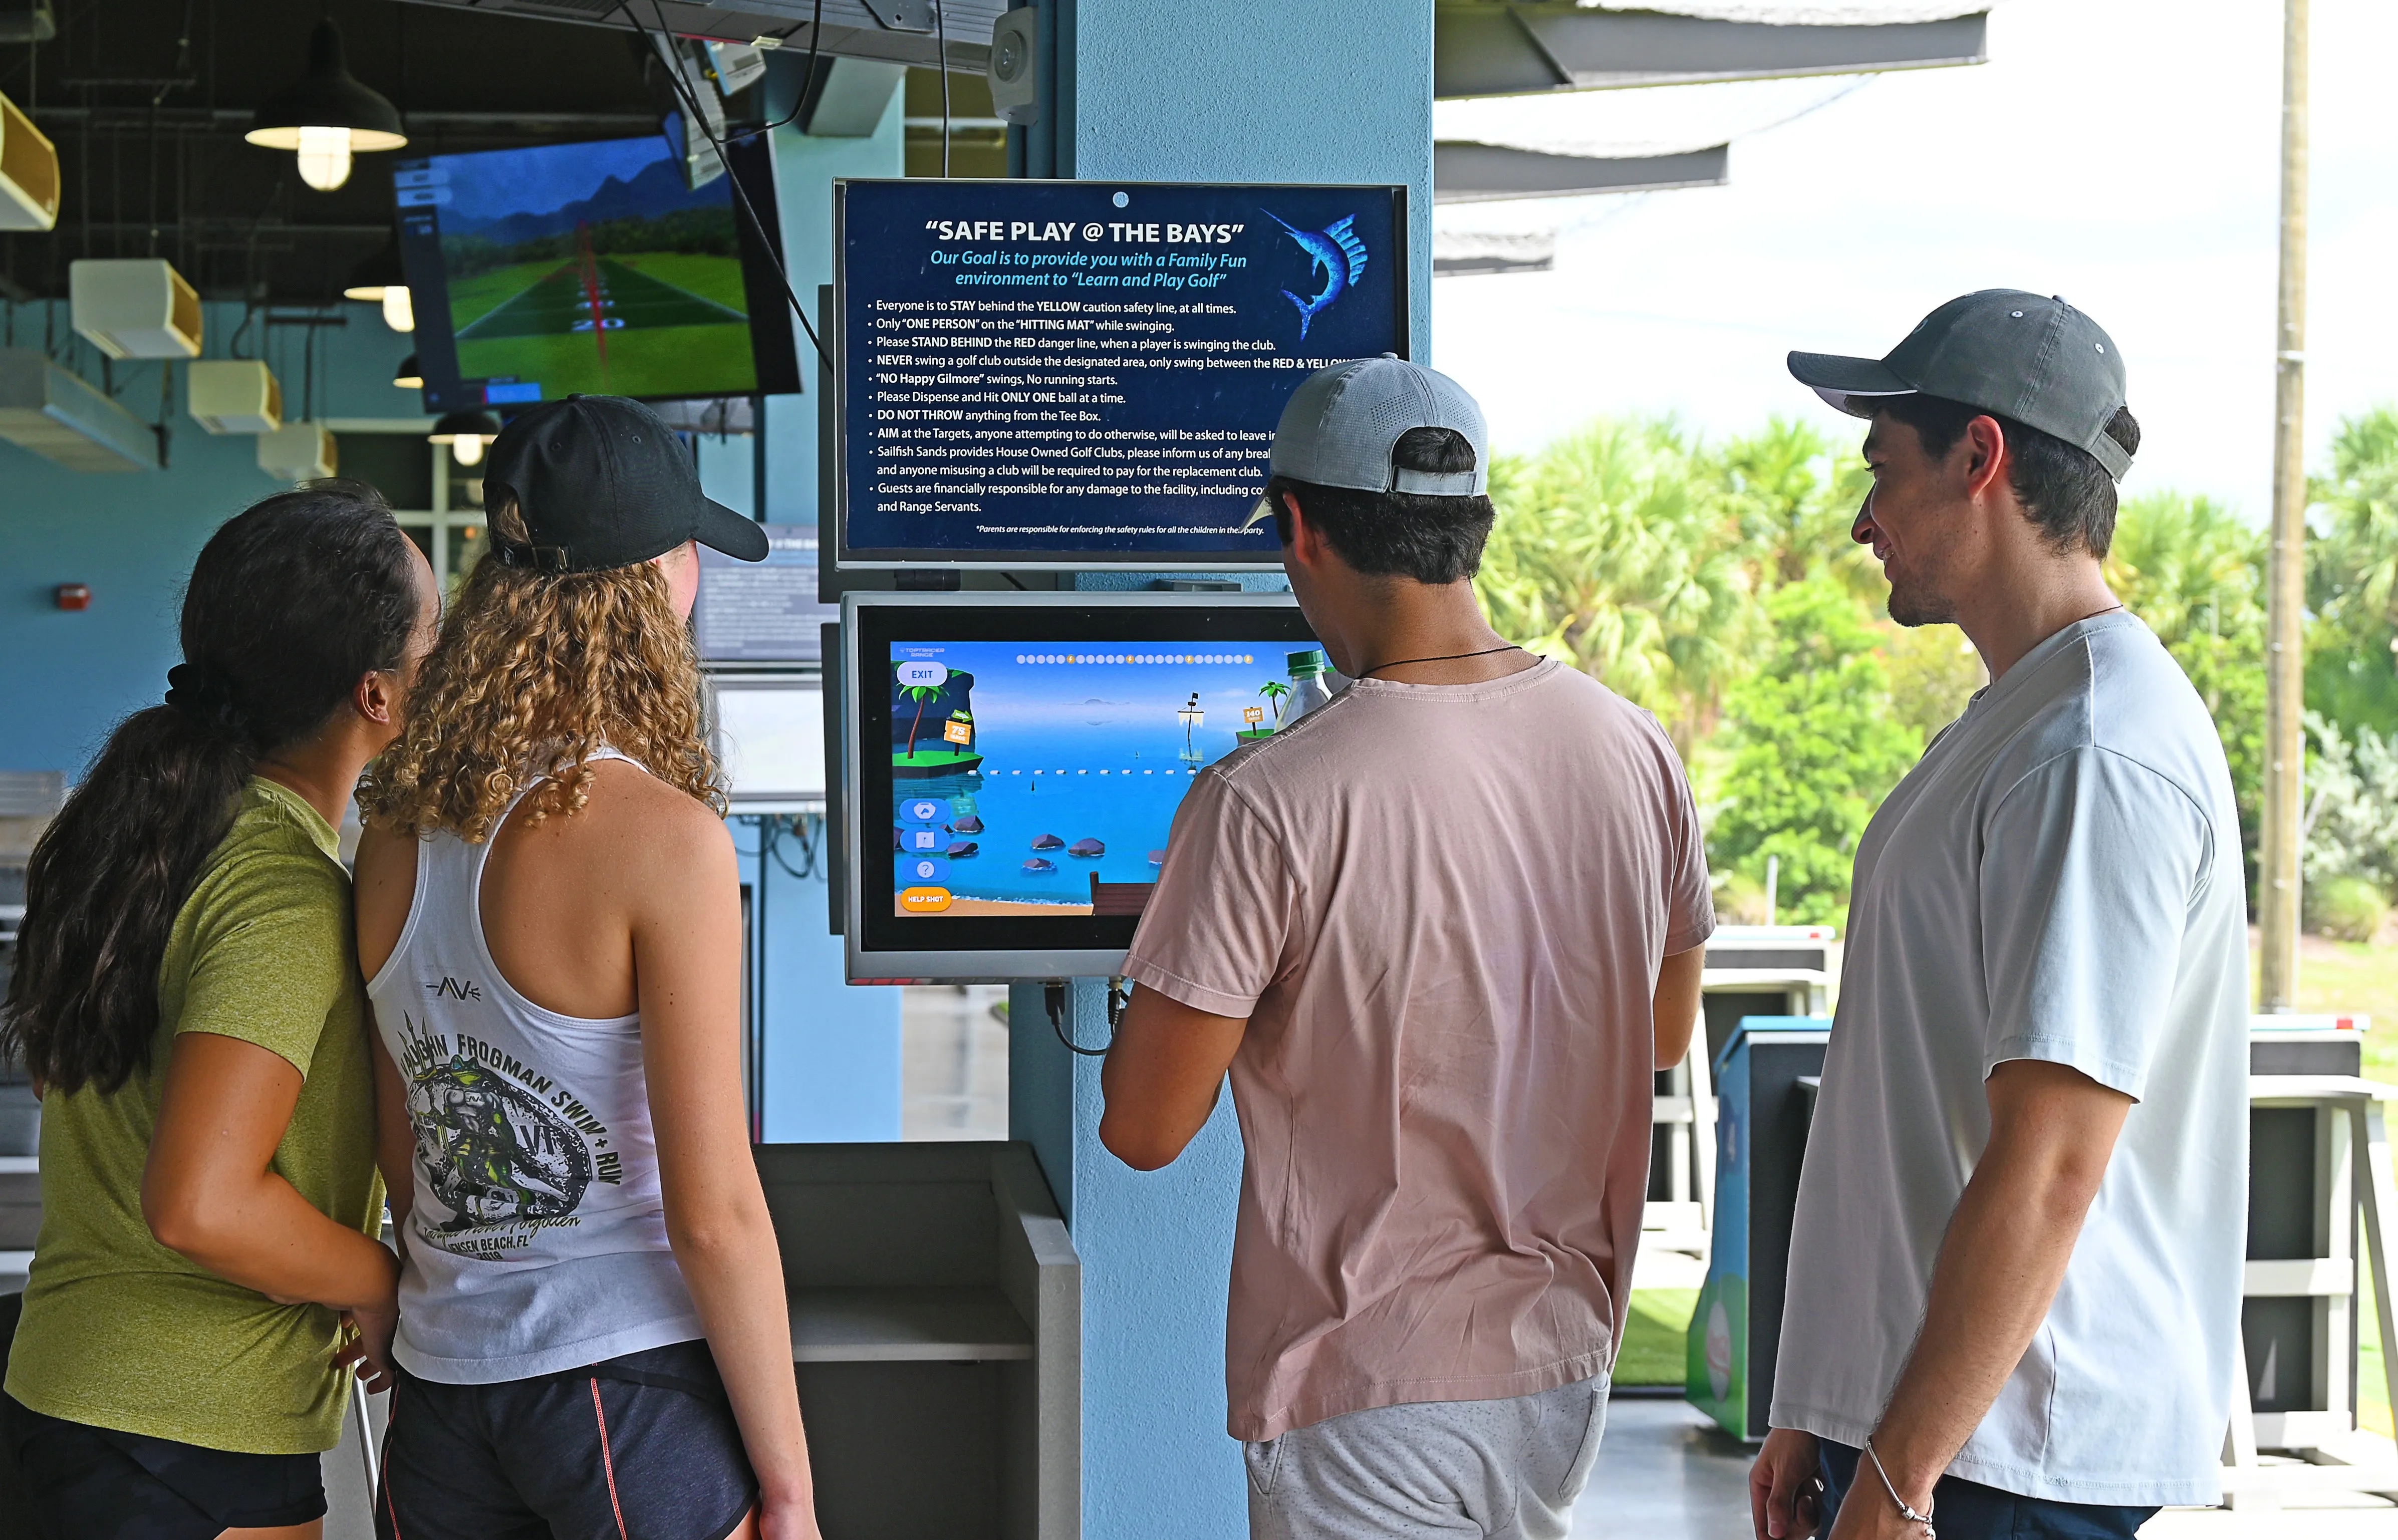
[[593, 1337]]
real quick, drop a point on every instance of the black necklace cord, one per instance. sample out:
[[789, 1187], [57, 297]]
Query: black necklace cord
[[1444, 657]]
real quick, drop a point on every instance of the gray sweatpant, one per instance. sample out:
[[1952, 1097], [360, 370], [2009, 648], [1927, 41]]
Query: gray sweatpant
[[1508, 1470]]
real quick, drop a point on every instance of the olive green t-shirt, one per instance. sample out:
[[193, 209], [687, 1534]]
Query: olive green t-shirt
[[121, 1333]]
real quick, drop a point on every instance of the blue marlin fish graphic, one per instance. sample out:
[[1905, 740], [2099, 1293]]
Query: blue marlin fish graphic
[[1339, 255]]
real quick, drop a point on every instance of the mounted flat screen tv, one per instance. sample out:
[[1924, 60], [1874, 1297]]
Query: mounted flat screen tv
[[1030, 750], [595, 267]]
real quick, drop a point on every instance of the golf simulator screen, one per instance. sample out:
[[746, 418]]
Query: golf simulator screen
[[1031, 754], [597, 268], [1044, 374]]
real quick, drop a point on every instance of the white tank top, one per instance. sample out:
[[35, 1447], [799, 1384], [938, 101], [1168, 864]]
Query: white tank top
[[537, 1238]]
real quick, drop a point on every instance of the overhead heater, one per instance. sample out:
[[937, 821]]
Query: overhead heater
[[298, 452], [29, 173], [134, 307], [233, 396], [53, 413]]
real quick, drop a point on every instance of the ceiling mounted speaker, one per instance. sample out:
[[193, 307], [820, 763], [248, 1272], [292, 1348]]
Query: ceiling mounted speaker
[[298, 452], [57, 415], [1015, 67], [233, 396], [29, 173], [134, 307]]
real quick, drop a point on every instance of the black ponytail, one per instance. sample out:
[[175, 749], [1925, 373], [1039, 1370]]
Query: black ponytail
[[289, 605]]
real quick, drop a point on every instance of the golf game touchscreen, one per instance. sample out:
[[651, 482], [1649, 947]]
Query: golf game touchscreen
[[1030, 780]]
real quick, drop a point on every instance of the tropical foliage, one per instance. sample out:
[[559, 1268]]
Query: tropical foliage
[[1714, 584]]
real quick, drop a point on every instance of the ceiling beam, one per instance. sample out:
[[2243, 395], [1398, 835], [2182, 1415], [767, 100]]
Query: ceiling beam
[[1485, 174], [1506, 48], [895, 32]]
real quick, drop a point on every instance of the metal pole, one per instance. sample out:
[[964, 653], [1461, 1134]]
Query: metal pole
[[2278, 898]]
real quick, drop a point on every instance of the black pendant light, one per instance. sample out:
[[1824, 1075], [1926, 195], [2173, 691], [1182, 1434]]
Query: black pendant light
[[327, 115], [467, 434], [381, 278], [410, 375]]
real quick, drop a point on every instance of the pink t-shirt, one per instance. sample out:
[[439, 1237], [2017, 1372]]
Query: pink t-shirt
[[1442, 910]]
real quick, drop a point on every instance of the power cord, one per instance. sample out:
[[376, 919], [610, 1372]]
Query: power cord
[[698, 120], [1053, 996]]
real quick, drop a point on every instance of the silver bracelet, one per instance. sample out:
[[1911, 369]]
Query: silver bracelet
[[1904, 1511]]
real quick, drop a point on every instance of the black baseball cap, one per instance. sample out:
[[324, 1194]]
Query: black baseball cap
[[2009, 352], [602, 482]]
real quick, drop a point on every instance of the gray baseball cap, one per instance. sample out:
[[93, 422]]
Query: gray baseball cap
[[1342, 424], [2012, 354]]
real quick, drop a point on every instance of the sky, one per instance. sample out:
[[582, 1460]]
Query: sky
[[494, 183], [2122, 154]]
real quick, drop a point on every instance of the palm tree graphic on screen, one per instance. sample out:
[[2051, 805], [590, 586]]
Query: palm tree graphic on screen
[[1274, 690], [923, 695]]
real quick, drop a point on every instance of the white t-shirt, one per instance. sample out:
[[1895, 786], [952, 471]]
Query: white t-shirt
[[2059, 879]]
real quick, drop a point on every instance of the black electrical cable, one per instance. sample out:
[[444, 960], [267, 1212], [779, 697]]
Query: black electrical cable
[[1052, 997], [698, 120], [807, 80], [942, 42]]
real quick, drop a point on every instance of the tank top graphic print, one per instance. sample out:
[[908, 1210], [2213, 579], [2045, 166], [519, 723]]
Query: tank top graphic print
[[535, 1239]]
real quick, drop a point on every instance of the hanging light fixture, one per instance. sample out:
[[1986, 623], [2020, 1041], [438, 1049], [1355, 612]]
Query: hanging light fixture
[[381, 278], [467, 433], [326, 116], [410, 375]]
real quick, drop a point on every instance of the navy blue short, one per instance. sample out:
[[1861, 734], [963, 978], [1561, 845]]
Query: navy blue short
[[1968, 1510], [82, 1480], [644, 1445]]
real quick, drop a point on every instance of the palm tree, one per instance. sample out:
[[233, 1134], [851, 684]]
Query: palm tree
[[1617, 550], [1274, 690], [923, 695]]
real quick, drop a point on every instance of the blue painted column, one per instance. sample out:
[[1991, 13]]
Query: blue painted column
[[1243, 90], [861, 96]]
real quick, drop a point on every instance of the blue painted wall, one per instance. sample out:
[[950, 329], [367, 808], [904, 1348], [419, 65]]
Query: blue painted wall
[[1246, 91], [131, 536], [1243, 90], [806, 168]]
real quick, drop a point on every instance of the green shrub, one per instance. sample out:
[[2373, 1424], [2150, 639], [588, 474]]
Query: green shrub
[[2347, 909]]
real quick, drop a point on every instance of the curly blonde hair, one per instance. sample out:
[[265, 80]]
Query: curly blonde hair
[[534, 672]]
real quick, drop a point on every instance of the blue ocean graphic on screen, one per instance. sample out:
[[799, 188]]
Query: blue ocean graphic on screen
[[1339, 255], [1027, 778]]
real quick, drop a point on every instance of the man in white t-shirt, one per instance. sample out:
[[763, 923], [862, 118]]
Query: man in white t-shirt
[[2013, 1299]]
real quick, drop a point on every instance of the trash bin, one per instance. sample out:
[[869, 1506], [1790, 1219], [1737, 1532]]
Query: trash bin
[[1764, 1085]]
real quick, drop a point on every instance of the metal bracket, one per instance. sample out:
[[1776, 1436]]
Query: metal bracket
[[903, 15]]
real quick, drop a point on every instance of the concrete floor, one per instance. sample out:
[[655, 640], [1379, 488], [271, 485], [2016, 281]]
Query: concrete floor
[[1666, 1473]]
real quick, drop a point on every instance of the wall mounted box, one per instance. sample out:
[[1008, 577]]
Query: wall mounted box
[[135, 307], [54, 413], [29, 173], [298, 452], [233, 396]]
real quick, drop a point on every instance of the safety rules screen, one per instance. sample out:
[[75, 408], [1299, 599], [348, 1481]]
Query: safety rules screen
[[1056, 369]]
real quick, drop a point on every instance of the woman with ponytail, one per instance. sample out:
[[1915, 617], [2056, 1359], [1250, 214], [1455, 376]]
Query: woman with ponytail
[[187, 1002]]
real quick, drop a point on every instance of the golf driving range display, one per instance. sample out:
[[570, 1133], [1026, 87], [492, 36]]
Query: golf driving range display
[[1088, 375], [1030, 752], [595, 268]]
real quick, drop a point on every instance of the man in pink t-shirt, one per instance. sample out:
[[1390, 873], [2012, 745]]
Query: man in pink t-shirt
[[1440, 930]]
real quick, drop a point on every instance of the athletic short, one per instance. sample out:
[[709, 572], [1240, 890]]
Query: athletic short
[[1508, 1470], [644, 1446], [96, 1481], [1968, 1510]]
